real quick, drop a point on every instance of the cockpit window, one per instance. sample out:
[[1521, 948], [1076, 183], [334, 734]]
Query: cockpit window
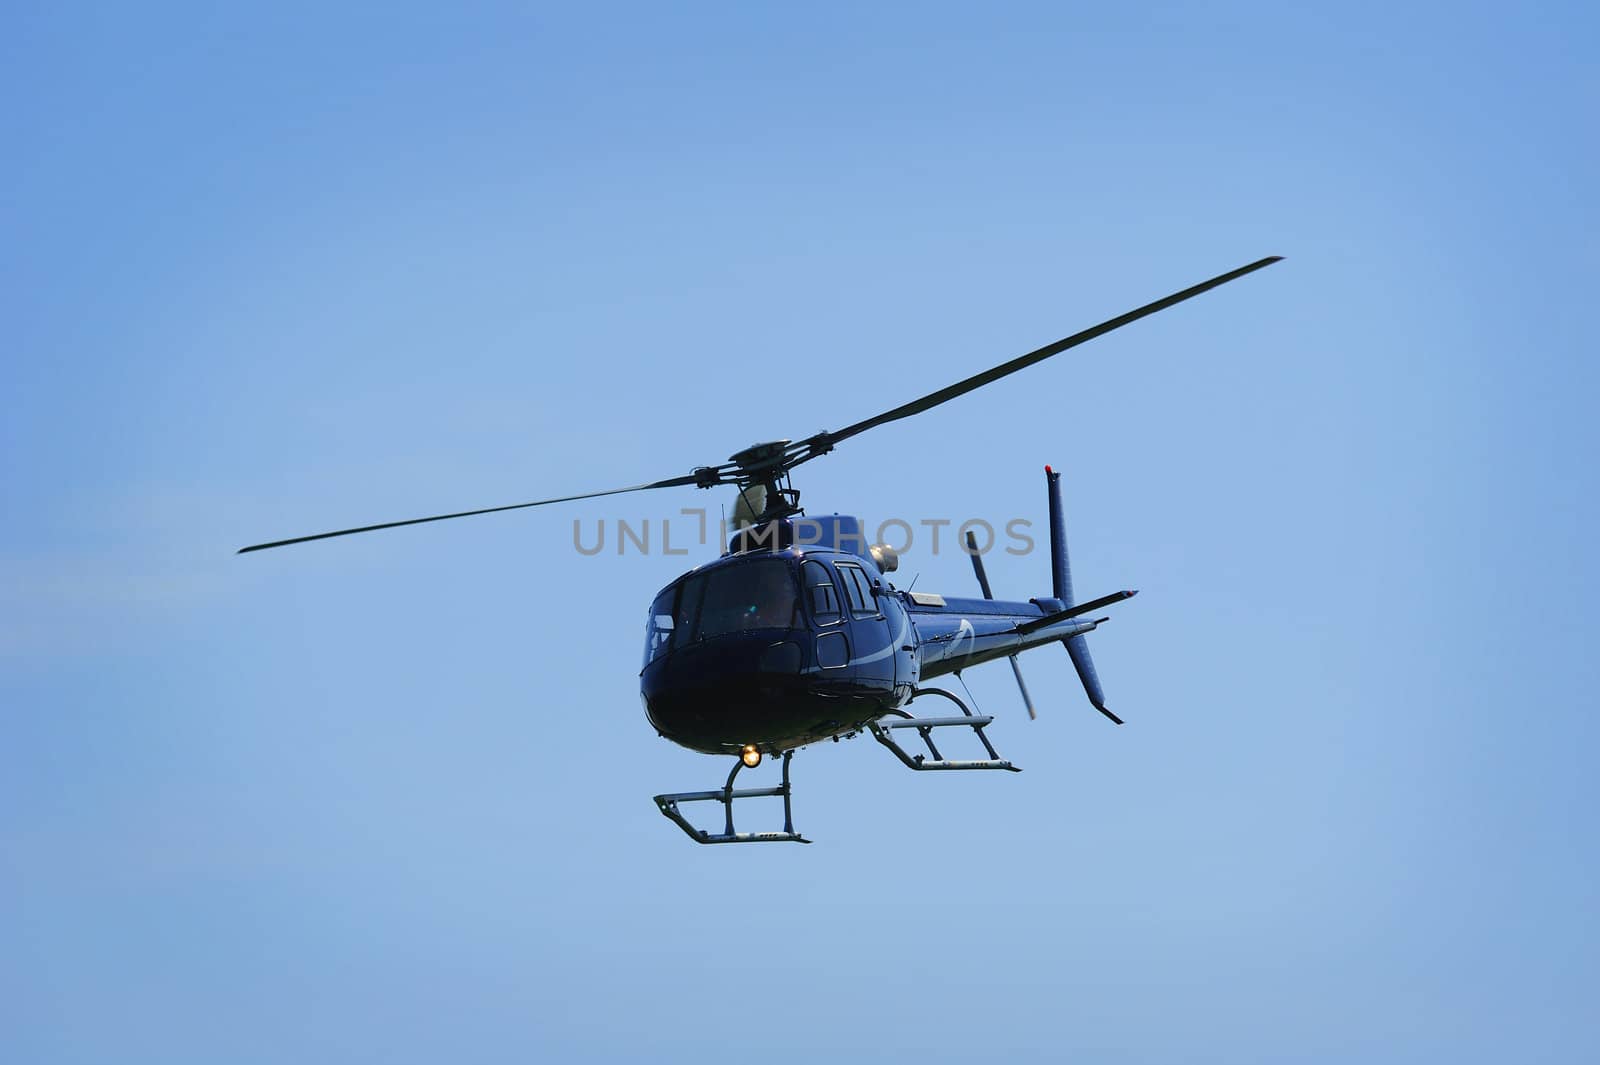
[[659, 626], [858, 589], [820, 592], [753, 595], [739, 598]]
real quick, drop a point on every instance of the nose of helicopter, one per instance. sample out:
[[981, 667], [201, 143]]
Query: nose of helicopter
[[774, 651], [723, 693]]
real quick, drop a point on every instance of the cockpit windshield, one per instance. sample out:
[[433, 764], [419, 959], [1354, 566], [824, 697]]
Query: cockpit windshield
[[751, 595], [758, 594]]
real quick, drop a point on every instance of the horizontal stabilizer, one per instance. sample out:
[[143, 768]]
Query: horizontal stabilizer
[[1074, 611]]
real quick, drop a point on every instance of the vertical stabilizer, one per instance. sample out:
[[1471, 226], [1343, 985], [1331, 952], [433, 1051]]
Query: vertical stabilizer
[[1061, 588]]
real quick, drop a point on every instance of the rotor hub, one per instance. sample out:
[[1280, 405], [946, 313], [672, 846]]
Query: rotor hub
[[759, 460]]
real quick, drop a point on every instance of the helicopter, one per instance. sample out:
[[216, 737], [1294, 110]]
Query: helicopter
[[796, 635]]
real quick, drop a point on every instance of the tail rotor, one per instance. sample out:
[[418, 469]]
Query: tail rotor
[[983, 582]]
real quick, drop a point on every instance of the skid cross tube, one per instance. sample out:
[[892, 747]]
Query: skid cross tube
[[883, 728], [668, 805]]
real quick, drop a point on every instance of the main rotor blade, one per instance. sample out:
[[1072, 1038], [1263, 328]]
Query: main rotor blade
[[1005, 369], [674, 482]]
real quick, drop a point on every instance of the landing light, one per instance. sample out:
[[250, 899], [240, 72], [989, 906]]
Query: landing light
[[750, 755]]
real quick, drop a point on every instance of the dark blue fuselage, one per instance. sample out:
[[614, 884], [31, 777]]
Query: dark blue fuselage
[[781, 648]]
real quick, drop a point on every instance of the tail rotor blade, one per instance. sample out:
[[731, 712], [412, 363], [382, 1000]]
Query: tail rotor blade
[[1027, 700], [977, 565], [983, 582]]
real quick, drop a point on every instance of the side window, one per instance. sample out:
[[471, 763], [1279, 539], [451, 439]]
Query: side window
[[820, 594], [659, 629], [857, 589]]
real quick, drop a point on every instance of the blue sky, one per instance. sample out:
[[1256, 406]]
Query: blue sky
[[387, 798]]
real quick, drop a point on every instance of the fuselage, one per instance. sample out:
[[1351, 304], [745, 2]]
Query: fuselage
[[781, 648]]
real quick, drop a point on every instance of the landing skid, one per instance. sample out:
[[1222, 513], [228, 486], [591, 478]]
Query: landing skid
[[884, 728], [668, 805]]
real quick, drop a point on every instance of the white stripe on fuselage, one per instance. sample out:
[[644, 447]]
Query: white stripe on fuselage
[[883, 652], [966, 632]]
